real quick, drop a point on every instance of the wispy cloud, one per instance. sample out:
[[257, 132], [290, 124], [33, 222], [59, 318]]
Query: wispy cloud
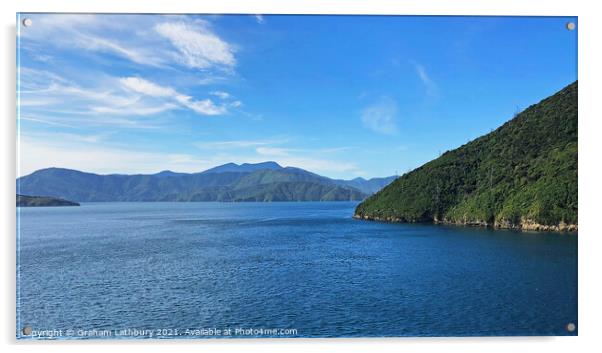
[[197, 46], [47, 93], [44, 24], [235, 144], [45, 121], [148, 88], [107, 100], [260, 19], [138, 56], [133, 109], [34, 80], [429, 84], [145, 87], [220, 94], [381, 116], [92, 33], [157, 41], [204, 107], [273, 151], [125, 96], [166, 58], [72, 137]]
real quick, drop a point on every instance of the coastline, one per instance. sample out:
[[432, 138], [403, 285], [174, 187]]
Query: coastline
[[525, 225]]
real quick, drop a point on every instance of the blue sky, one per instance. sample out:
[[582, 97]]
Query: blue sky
[[342, 96]]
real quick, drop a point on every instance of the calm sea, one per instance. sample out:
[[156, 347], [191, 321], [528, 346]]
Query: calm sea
[[197, 270]]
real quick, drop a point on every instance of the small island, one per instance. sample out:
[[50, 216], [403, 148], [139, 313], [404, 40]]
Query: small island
[[42, 201]]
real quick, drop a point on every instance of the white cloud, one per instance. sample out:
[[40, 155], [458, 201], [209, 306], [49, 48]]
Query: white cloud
[[205, 106], [146, 87], [142, 86], [106, 95], [233, 144], [220, 94], [381, 116], [45, 94], [74, 137], [139, 56], [429, 84], [157, 40], [162, 41], [77, 120], [105, 99], [334, 149], [34, 80], [273, 151], [197, 46], [134, 110], [93, 33], [43, 24], [45, 121]]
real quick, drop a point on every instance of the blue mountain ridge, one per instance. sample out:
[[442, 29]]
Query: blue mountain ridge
[[266, 181]]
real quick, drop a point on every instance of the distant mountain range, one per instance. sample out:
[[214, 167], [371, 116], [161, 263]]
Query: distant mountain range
[[267, 181]]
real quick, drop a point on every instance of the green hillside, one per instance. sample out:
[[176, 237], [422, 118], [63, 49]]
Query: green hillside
[[297, 191], [522, 175], [42, 201]]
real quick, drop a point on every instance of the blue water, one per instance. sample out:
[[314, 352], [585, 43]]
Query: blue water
[[304, 269]]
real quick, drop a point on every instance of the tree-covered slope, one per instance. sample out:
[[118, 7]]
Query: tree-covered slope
[[522, 175], [42, 201], [297, 191]]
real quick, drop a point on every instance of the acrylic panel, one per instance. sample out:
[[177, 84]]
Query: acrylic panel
[[288, 176]]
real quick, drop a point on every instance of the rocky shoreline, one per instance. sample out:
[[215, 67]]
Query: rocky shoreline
[[524, 225]]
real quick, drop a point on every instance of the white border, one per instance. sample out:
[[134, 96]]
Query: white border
[[590, 242]]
